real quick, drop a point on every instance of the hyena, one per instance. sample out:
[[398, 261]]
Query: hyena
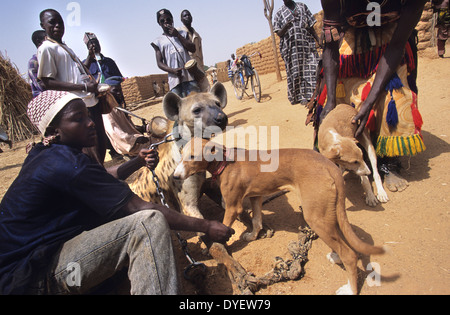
[[191, 115]]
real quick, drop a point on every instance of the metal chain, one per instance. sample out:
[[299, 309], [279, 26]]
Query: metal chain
[[195, 271], [154, 146]]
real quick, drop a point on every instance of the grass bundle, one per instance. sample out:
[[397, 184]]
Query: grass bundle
[[15, 94]]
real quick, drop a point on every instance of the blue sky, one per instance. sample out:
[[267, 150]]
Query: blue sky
[[126, 28]]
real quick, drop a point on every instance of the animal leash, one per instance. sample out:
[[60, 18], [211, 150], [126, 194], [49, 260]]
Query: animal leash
[[195, 270]]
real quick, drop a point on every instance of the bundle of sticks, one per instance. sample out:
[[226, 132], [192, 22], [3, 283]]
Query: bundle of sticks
[[15, 94]]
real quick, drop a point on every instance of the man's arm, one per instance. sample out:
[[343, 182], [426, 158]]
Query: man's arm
[[189, 45], [149, 158], [162, 65], [52, 84], [215, 231], [285, 28], [313, 33], [410, 16]]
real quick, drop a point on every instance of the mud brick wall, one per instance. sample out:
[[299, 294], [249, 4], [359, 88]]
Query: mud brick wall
[[426, 29], [222, 72], [266, 64], [137, 89]]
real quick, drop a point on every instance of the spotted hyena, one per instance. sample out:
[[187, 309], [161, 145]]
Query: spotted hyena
[[191, 115]]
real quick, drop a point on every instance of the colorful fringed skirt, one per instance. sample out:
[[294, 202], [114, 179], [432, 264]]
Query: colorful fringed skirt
[[395, 119]]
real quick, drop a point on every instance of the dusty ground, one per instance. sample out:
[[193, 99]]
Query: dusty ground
[[414, 224]]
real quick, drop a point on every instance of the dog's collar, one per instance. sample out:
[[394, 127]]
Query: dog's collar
[[221, 166]]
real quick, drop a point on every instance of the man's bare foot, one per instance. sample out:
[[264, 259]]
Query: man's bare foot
[[395, 182]]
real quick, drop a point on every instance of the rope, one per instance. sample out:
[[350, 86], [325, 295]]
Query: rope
[[283, 270]]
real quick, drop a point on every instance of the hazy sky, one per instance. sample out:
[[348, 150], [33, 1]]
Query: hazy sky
[[126, 28]]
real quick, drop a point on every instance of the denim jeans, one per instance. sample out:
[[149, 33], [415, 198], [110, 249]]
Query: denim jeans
[[141, 243], [185, 88]]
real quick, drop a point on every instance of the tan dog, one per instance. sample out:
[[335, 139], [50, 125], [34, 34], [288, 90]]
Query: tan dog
[[337, 142], [316, 179]]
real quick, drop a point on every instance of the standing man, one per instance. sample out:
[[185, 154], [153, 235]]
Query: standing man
[[37, 87], [294, 23], [443, 24], [100, 67], [193, 36], [61, 70], [374, 64], [123, 138], [172, 50]]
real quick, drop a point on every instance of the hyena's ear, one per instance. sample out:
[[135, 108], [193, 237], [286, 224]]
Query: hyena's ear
[[171, 105], [220, 92]]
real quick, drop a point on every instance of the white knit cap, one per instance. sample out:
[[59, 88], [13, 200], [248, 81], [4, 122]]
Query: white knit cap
[[44, 108]]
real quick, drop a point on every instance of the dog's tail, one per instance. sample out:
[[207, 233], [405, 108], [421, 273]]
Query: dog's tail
[[354, 241]]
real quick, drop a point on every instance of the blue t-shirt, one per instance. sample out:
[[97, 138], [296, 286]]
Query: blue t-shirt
[[108, 66], [59, 193]]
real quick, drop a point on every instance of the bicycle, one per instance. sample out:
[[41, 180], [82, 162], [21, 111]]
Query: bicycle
[[245, 74]]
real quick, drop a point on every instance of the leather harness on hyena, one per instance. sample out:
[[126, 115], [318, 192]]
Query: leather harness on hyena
[[191, 115]]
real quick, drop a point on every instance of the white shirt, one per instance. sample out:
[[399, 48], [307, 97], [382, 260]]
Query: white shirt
[[56, 63], [175, 56]]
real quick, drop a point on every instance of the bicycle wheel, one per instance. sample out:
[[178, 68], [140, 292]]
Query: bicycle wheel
[[239, 87], [256, 86]]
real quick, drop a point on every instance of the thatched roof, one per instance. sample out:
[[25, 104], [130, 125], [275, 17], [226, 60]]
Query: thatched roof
[[15, 94]]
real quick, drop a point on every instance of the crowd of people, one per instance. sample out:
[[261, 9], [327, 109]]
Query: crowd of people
[[65, 207]]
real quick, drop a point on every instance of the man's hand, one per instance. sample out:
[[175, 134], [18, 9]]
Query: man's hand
[[91, 54], [92, 87], [218, 232], [172, 30], [151, 158], [361, 119], [177, 71]]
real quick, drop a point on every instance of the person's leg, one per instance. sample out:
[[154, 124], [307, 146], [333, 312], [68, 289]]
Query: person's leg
[[389, 168], [140, 242], [441, 47], [442, 35]]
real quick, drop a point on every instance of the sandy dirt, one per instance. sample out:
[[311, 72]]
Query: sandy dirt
[[414, 224]]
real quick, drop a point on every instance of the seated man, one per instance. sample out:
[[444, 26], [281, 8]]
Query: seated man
[[67, 224]]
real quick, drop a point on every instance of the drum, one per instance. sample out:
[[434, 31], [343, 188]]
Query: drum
[[158, 127], [191, 66]]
